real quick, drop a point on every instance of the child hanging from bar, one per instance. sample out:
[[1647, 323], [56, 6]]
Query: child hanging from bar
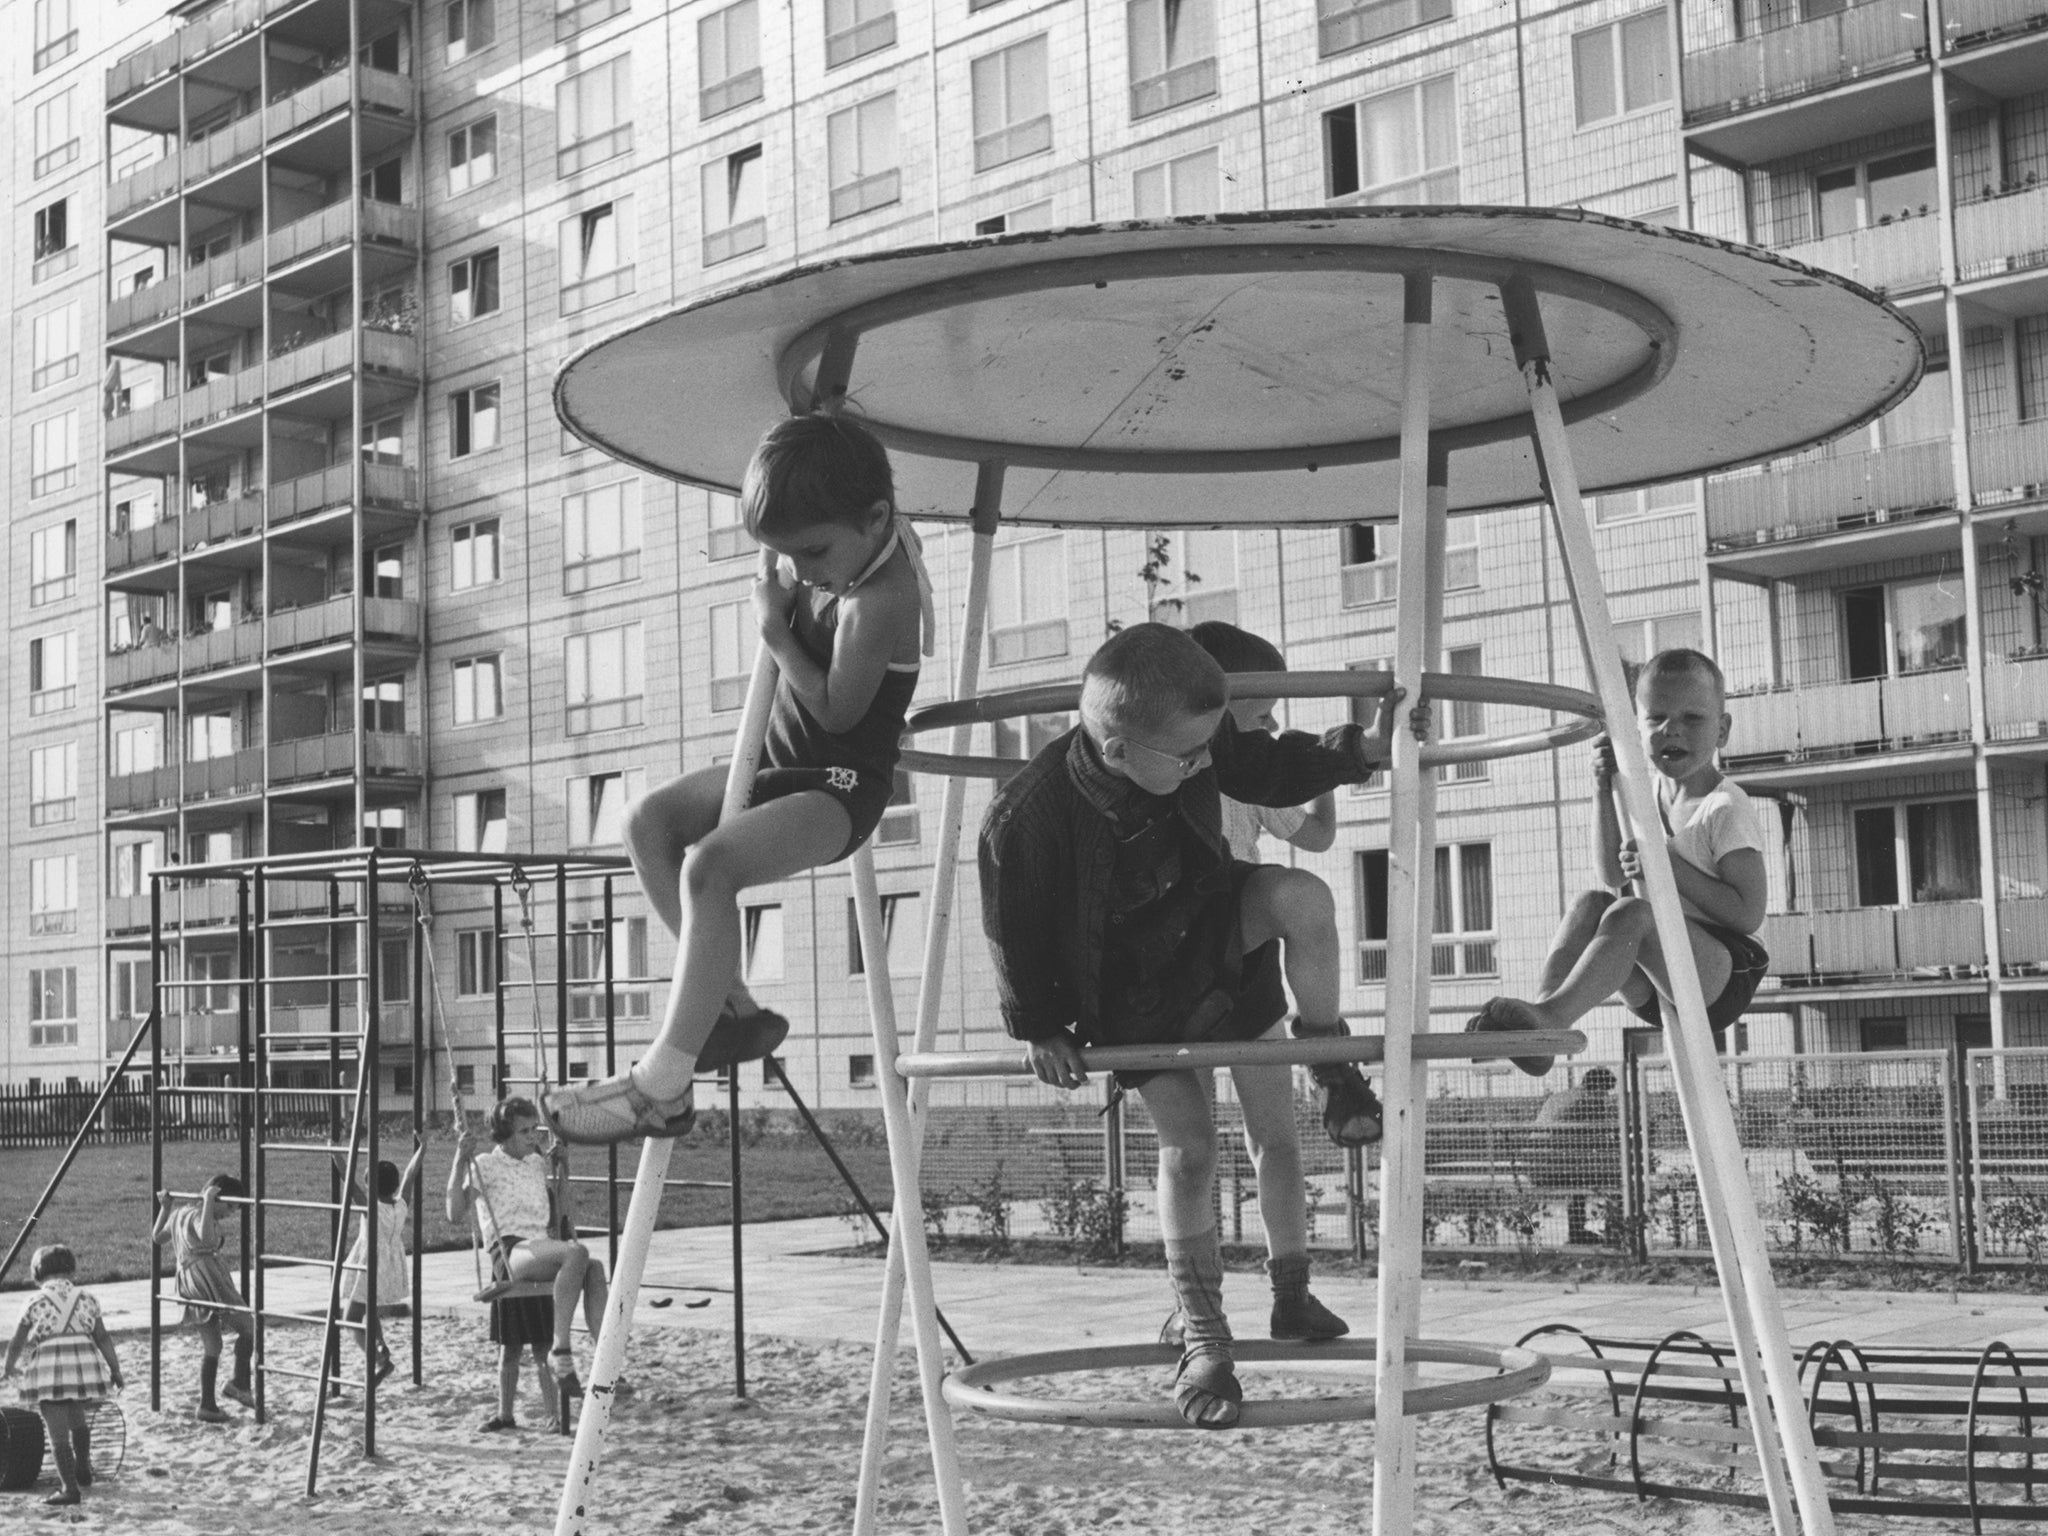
[[1117, 916], [844, 605], [213, 1301], [396, 1189], [1608, 940]]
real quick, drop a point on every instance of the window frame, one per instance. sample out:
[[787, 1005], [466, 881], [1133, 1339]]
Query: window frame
[[734, 237], [1013, 644], [1400, 188], [1157, 32], [595, 143], [1456, 951], [468, 133], [479, 273], [1900, 810], [1344, 25], [464, 539], [52, 45], [590, 713], [729, 688], [584, 570], [58, 651], [1171, 203], [1653, 23], [579, 233], [53, 454], [53, 894], [53, 155], [871, 29], [900, 964], [464, 674], [46, 586], [467, 408], [476, 829], [584, 797], [1014, 137], [865, 190], [53, 767], [52, 1030], [734, 88]]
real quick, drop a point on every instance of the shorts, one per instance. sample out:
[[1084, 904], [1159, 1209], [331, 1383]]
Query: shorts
[[522, 1321], [863, 793], [1748, 960]]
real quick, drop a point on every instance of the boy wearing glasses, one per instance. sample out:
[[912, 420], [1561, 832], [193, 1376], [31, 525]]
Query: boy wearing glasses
[[1118, 917]]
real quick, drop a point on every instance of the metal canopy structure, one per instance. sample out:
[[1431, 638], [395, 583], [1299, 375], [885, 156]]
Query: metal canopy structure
[[1116, 370], [1277, 369]]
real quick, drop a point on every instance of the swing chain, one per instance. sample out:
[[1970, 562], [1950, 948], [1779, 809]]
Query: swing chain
[[417, 880]]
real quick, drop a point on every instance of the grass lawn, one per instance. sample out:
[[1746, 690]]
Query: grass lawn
[[104, 1208]]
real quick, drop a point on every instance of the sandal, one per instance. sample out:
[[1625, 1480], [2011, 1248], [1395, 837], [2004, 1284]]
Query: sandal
[[615, 1110], [495, 1423], [1206, 1389], [1351, 1110], [1507, 1015], [734, 1039]]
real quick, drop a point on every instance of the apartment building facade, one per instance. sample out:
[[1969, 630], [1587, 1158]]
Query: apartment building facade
[[305, 560]]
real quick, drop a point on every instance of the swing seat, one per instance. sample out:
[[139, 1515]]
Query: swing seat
[[502, 1287]]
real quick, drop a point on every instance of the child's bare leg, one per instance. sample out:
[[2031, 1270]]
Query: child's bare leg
[[1709, 958], [508, 1384], [1206, 1391], [57, 1431], [660, 828], [770, 842], [563, 1264], [1266, 1095]]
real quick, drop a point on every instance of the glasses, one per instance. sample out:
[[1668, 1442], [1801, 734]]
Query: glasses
[[1187, 767]]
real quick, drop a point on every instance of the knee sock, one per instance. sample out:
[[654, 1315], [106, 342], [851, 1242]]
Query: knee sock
[[1195, 1266], [245, 1347], [209, 1376], [60, 1452], [81, 1446]]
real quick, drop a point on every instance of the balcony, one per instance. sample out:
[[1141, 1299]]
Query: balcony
[[195, 39], [235, 773], [1902, 256], [335, 486], [334, 755], [1754, 514], [1829, 722], [1803, 58], [233, 518], [1997, 235], [2016, 697], [2009, 463], [301, 360], [1935, 941], [1970, 23], [142, 546], [142, 306], [236, 645], [2023, 935], [155, 662], [143, 792]]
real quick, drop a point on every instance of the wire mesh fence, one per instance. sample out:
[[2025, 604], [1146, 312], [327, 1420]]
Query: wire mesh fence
[[2008, 1117]]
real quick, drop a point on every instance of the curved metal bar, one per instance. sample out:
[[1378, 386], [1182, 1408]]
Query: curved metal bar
[[1635, 1413], [1198, 1055], [1606, 1373], [1518, 1371], [1660, 338], [1848, 1347], [1970, 1427], [1819, 1353]]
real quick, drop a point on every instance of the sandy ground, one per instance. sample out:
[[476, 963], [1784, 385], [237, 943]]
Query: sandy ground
[[687, 1457]]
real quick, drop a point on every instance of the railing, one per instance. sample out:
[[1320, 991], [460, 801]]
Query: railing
[[2002, 234], [132, 72], [1177, 87], [143, 792], [224, 273], [395, 618], [383, 91], [1969, 22], [333, 754], [1342, 26], [391, 223], [1941, 936], [232, 646], [140, 546], [397, 752], [142, 305], [572, 19], [231, 519], [1808, 498], [2007, 463], [1926, 941], [1846, 719], [238, 773], [2016, 697], [2023, 935], [1898, 257], [313, 360], [390, 352], [157, 419], [144, 664], [1805, 57], [331, 226], [307, 494], [315, 624]]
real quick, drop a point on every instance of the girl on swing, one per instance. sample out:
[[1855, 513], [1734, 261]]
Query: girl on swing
[[846, 611]]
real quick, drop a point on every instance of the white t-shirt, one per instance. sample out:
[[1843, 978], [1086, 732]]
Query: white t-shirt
[[1707, 830], [1243, 823], [511, 1195]]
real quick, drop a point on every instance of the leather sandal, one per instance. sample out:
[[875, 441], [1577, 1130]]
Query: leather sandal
[[1508, 1015], [615, 1110], [1206, 1390]]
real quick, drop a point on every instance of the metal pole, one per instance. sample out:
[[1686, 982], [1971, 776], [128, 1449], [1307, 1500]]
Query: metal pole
[[739, 1278], [154, 1026]]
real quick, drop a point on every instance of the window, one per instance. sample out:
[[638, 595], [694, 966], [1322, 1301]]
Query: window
[[1177, 188], [217, 969], [52, 673], [54, 249], [53, 454], [763, 958], [899, 821], [383, 441], [1640, 639], [209, 734], [52, 784], [1465, 719], [383, 827], [53, 563], [860, 1070], [472, 420], [384, 706], [472, 27], [53, 894], [473, 154], [597, 259], [726, 536], [1916, 852], [735, 210], [604, 680], [56, 32], [131, 984], [134, 860], [1173, 53], [394, 970], [384, 182], [56, 129], [733, 639], [479, 691], [1197, 579], [729, 59], [854, 28], [1657, 501], [595, 112], [384, 571], [1874, 192], [1017, 220], [1365, 576], [473, 554], [480, 821], [1342, 25], [1881, 1034], [902, 936], [1622, 67], [860, 157], [1396, 147], [476, 963], [473, 287], [1463, 919], [1027, 599], [597, 806], [54, 347], [53, 1006], [572, 16], [1903, 626], [1037, 732], [587, 965], [601, 529], [1012, 104]]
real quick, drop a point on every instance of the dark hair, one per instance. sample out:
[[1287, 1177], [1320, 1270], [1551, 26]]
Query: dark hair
[[814, 469], [1679, 662], [1599, 1079], [507, 1112], [1146, 677], [387, 1180], [226, 1184], [52, 1261], [1237, 650]]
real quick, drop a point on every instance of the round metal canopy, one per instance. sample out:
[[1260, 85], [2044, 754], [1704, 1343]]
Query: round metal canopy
[[1244, 369]]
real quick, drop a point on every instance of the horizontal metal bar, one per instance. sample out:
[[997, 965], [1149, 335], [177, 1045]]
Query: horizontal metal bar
[[1363, 1049]]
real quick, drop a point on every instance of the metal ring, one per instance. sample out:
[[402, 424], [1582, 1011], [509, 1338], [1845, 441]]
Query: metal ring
[[1517, 1371]]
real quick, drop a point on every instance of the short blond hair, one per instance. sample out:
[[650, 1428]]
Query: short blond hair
[[1148, 677], [1681, 662]]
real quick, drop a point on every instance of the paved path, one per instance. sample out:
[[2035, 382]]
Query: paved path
[[796, 1289]]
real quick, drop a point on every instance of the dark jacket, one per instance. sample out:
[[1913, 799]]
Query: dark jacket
[[1048, 843]]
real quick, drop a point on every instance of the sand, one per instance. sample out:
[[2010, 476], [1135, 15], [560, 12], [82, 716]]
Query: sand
[[688, 1457]]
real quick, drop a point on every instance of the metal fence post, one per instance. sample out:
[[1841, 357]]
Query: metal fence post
[[1354, 1192], [1635, 1152], [1113, 1160], [1961, 1143]]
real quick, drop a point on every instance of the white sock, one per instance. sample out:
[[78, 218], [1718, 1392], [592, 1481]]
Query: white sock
[[664, 1072]]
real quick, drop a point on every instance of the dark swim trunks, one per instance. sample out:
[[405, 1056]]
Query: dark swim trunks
[[1748, 960], [863, 793]]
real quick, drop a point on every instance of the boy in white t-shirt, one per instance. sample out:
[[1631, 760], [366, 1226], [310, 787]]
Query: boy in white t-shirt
[[1608, 941]]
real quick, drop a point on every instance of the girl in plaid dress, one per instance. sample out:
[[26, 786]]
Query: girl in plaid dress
[[71, 1365], [213, 1300]]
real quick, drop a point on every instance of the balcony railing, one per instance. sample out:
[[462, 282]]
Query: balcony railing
[[2023, 934], [1969, 22], [143, 792], [2008, 463], [224, 273], [2002, 234], [1342, 25], [2016, 697], [1805, 57], [1803, 499], [141, 546], [233, 646], [334, 754], [1848, 719], [236, 773], [311, 360], [1900, 257], [152, 663], [326, 622], [140, 306], [391, 352], [234, 518], [1932, 941]]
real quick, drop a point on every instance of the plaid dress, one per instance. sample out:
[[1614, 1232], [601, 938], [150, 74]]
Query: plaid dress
[[63, 1361]]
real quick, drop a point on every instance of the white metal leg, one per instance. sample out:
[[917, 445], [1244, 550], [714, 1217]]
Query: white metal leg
[[1784, 1439]]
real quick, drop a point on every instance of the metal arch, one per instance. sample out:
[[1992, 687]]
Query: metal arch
[[1607, 1375], [1518, 1371], [1818, 1354], [1266, 260], [1977, 1384], [1635, 1415]]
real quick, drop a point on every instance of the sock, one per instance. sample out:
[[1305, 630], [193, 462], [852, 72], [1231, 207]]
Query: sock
[[245, 1347], [60, 1452], [81, 1450], [663, 1072], [1195, 1266], [209, 1375]]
